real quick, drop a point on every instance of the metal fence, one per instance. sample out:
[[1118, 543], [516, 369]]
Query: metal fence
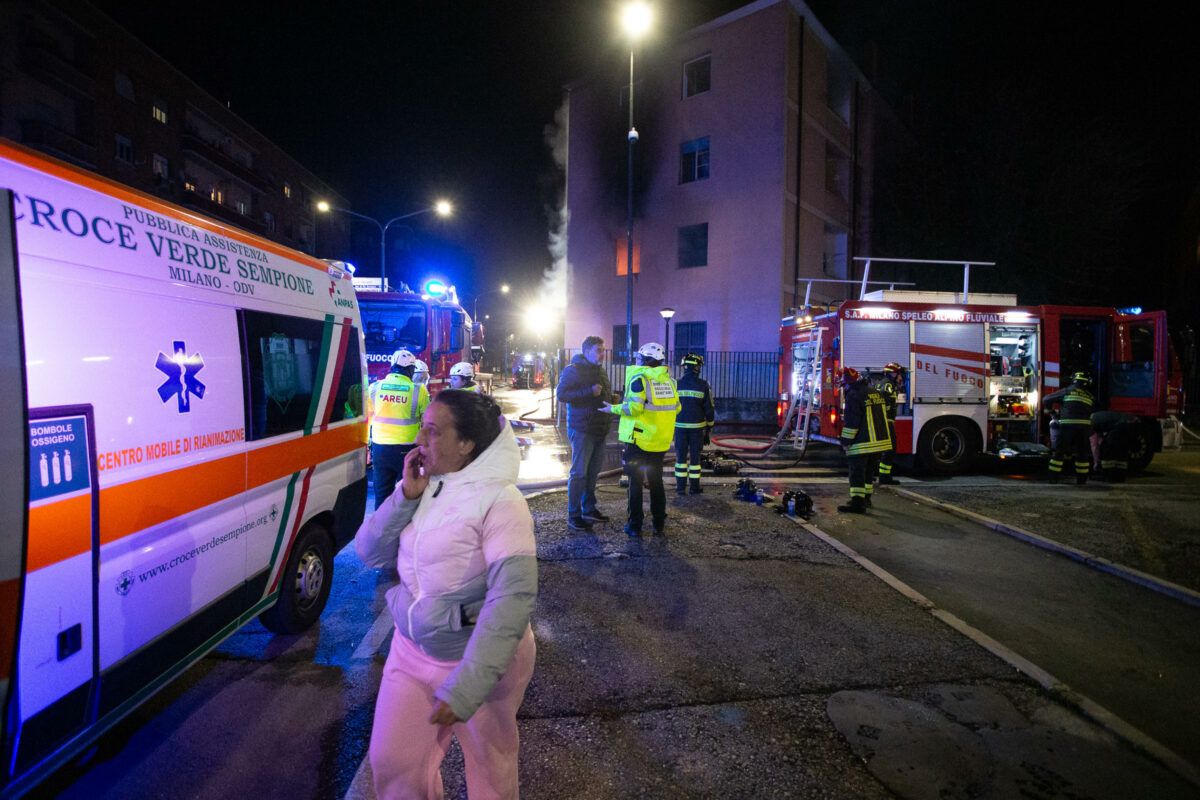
[[734, 374]]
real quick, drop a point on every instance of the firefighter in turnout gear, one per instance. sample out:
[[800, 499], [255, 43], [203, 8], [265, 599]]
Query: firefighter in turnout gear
[[864, 436], [1074, 427], [462, 376], [396, 407], [1114, 435], [694, 424], [892, 390], [647, 425]]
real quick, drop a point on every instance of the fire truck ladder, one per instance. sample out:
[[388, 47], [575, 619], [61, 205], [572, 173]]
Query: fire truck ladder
[[811, 379]]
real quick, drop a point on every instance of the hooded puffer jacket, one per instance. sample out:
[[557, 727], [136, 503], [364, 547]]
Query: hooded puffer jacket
[[468, 569]]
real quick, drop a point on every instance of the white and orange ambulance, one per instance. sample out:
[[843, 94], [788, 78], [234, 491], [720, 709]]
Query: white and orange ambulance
[[182, 440]]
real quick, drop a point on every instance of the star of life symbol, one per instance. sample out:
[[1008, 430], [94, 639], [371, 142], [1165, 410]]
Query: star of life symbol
[[181, 381], [125, 583]]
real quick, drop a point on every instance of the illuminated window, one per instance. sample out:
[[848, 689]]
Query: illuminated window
[[216, 195], [693, 245], [241, 206], [159, 110], [189, 183], [160, 169], [623, 256], [124, 149], [693, 160], [287, 190], [696, 76]]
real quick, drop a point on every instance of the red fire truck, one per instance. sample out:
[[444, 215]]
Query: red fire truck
[[436, 329], [976, 371]]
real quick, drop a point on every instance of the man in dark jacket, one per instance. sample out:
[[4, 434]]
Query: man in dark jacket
[[584, 387], [1074, 428], [1114, 435], [694, 424]]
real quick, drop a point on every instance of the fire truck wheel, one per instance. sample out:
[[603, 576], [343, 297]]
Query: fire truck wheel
[[946, 445], [304, 584], [1141, 453]]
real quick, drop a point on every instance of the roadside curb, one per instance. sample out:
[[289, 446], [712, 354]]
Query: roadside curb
[[1051, 684], [1172, 590]]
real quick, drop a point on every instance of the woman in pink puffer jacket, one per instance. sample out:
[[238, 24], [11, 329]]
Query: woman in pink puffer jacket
[[461, 536]]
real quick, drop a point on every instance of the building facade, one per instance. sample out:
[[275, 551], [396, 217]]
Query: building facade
[[77, 86], [752, 174]]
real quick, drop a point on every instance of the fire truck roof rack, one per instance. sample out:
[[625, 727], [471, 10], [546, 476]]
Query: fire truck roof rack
[[966, 265], [864, 282]]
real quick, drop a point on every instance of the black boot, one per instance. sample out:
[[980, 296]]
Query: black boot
[[857, 505], [696, 486], [681, 486], [884, 480]]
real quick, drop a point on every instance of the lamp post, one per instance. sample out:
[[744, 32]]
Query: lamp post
[[667, 313], [475, 303], [636, 20], [442, 207]]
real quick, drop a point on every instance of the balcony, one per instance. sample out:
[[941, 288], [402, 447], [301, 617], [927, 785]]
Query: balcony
[[57, 142], [216, 156], [209, 207], [44, 64]]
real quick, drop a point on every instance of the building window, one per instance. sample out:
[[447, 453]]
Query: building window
[[838, 90], [159, 110], [161, 170], [835, 257], [287, 190], [696, 74], [618, 343], [837, 171], [693, 160], [216, 195], [690, 337], [189, 183], [241, 207], [269, 221], [123, 85], [623, 256], [693, 245], [124, 151]]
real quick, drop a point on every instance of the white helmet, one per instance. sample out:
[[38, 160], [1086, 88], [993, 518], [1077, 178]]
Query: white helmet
[[420, 368], [403, 358], [463, 369], [653, 350]]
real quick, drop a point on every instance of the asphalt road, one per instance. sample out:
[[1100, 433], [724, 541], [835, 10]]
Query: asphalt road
[[270, 717]]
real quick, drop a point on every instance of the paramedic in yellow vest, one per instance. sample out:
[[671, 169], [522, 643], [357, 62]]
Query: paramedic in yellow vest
[[397, 404], [647, 427], [462, 376]]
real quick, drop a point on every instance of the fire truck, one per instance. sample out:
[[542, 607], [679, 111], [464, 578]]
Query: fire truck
[[435, 328], [977, 368]]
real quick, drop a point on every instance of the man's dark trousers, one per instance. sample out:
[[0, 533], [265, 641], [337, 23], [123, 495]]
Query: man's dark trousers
[[387, 465], [587, 455], [641, 464], [689, 444]]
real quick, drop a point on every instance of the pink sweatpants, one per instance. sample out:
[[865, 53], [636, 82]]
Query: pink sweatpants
[[407, 750]]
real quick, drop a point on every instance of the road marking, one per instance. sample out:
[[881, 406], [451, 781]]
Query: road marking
[[371, 643]]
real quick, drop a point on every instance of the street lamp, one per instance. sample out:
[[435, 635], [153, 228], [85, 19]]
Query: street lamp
[[475, 303], [667, 313], [635, 19], [441, 207]]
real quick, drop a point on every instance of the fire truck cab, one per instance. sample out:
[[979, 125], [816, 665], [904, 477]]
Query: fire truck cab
[[976, 373]]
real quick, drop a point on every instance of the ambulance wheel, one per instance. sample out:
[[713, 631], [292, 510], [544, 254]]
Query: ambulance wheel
[[304, 585], [946, 446]]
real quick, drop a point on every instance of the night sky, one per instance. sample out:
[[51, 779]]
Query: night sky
[[1059, 139]]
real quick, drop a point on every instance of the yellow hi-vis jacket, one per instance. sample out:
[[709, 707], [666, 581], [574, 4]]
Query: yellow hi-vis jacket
[[397, 405], [648, 413]]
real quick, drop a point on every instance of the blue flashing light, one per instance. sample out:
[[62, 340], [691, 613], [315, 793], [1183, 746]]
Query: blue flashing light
[[1130, 310], [435, 288], [351, 268]]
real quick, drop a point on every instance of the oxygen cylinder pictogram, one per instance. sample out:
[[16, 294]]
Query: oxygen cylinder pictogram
[[56, 468], [45, 470], [67, 471]]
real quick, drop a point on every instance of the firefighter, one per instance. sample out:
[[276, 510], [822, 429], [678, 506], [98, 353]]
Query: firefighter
[[693, 426], [647, 425], [1114, 434], [397, 404], [420, 373], [462, 376], [864, 436], [1074, 428], [891, 390]]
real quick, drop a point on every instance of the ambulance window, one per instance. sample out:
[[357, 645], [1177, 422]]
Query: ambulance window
[[281, 359]]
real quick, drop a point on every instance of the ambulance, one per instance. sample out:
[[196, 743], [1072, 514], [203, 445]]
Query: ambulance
[[183, 442], [976, 371]]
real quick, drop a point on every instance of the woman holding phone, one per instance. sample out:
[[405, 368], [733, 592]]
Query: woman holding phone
[[461, 536]]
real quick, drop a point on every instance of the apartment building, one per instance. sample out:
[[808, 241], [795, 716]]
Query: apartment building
[[76, 85], [752, 174]]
